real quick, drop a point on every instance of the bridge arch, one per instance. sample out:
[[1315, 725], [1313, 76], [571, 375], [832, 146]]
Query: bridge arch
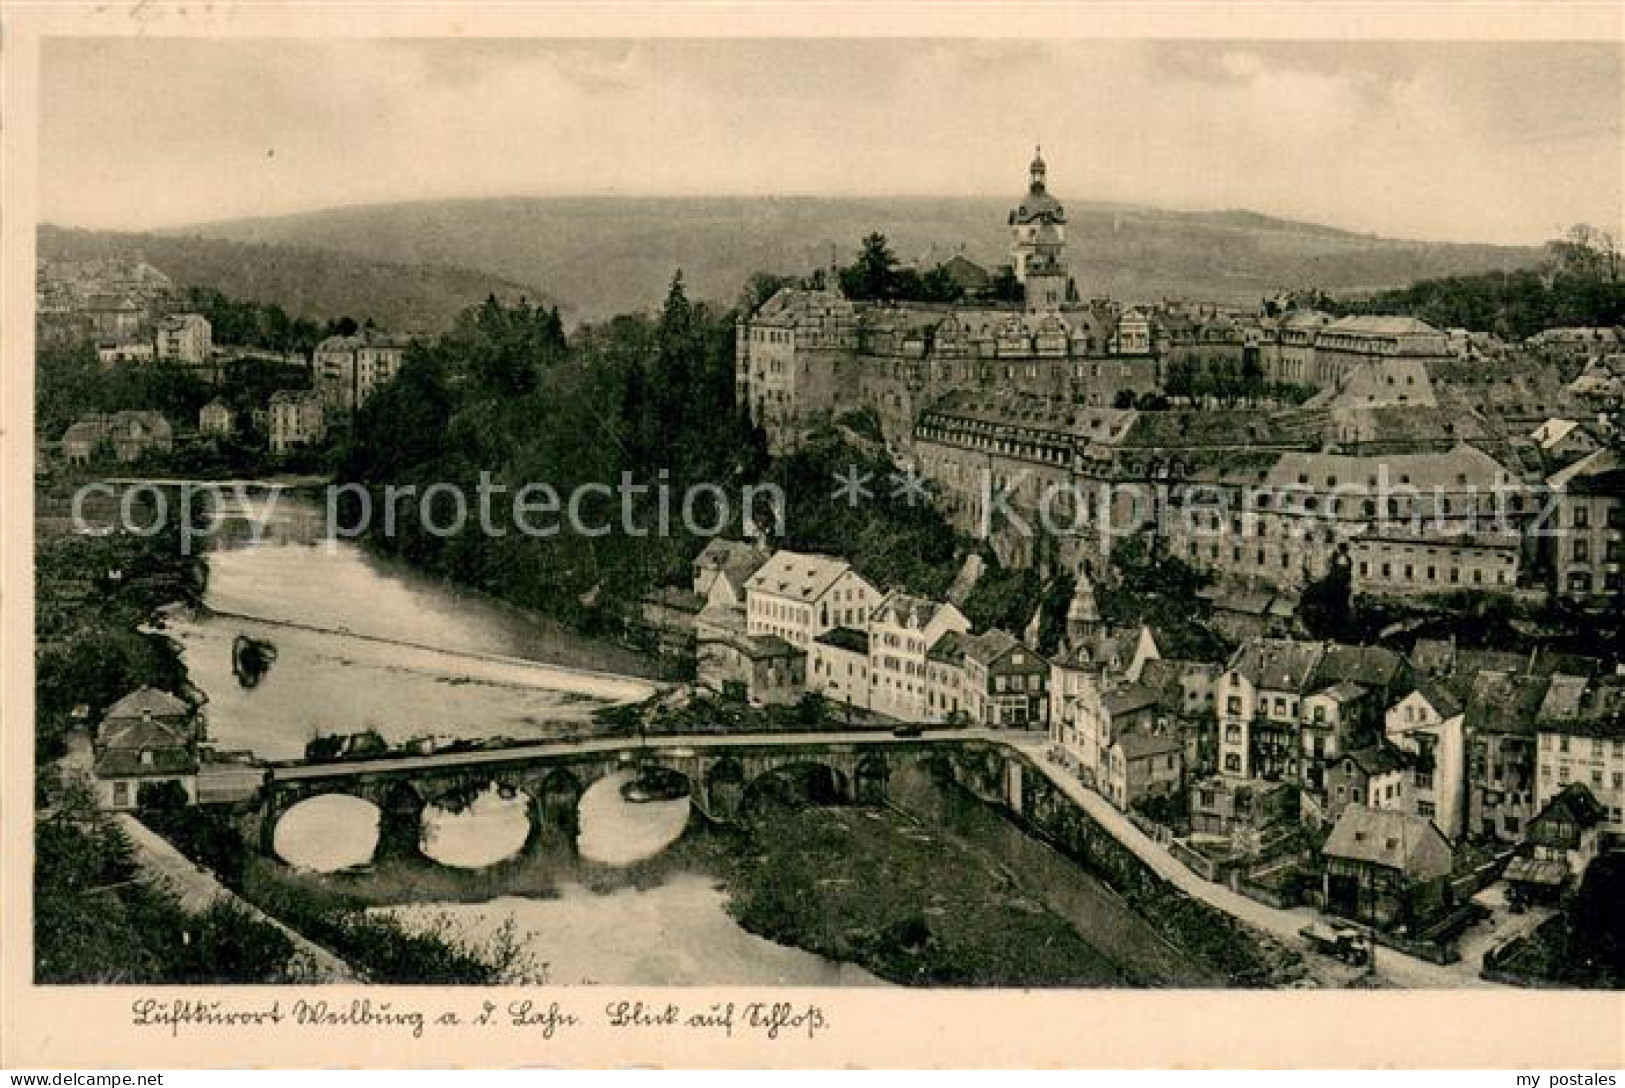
[[725, 787], [869, 779], [795, 783], [556, 804]]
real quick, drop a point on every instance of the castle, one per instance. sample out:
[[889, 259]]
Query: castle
[[1056, 393]]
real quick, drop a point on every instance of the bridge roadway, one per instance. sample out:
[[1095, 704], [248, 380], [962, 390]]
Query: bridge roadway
[[287, 774]]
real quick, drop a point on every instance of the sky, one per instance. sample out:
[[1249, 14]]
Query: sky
[[1507, 143]]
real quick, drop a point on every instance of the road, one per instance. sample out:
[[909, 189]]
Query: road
[[1392, 965]]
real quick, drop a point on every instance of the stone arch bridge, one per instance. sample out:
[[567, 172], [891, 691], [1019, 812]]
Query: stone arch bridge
[[722, 773]]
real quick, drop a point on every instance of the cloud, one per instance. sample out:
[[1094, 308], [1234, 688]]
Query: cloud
[[1439, 140]]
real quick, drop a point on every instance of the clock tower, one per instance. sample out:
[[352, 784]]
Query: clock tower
[[1038, 243]]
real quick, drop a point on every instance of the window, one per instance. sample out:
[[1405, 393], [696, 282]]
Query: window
[[1424, 808]]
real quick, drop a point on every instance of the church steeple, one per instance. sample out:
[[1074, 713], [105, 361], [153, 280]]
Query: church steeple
[[1036, 185]]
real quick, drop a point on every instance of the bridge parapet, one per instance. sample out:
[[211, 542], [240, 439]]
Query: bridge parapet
[[722, 773]]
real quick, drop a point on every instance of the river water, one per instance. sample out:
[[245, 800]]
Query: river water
[[364, 643]]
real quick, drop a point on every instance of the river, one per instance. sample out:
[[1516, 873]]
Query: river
[[365, 643]]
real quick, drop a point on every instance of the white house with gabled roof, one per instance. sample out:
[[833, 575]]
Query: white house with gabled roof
[[800, 595]]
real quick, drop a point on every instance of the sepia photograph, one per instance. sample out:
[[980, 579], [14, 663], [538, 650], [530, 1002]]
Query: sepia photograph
[[859, 513]]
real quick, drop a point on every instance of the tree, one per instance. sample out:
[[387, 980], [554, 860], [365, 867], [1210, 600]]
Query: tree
[[161, 799], [939, 286], [872, 276], [1005, 287], [1327, 604], [764, 285]]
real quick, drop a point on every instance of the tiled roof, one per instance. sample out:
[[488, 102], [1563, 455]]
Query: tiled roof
[[846, 638], [1392, 840], [1369, 666], [761, 647], [1126, 700], [1140, 744], [147, 700], [137, 734], [1564, 695], [906, 609], [1277, 664], [1597, 472], [1439, 698], [1344, 691], [800, 576], [949, 649], [1425, 471], [1379, 325], [989, 647], [1503, 701], [127, 763], [1574, 803], [1379, 759], [734, 560]]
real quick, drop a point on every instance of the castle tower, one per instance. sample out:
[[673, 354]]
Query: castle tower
[[1038, 243]]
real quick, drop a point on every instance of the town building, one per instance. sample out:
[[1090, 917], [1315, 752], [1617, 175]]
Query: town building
[[1378, 776], [723, 569], [1242, 811], [1259, 702], [349, 369], [1385, 868], [1269, 697], [838, 667], [1333, 721], [1587, 550], [1344, 344], [216, 419], [902, 630], [1589, 750], [128, 436], [110, 352], [1429, 724], [946, 699], [797, 596], [184, 338], [1503, 707], [671, 615], [1006, 685], [1143, 764], [297, 419], [1562, 840], [144, 739], [1185, 693]]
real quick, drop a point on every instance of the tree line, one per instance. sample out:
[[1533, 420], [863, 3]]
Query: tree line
[[1577, 285]]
